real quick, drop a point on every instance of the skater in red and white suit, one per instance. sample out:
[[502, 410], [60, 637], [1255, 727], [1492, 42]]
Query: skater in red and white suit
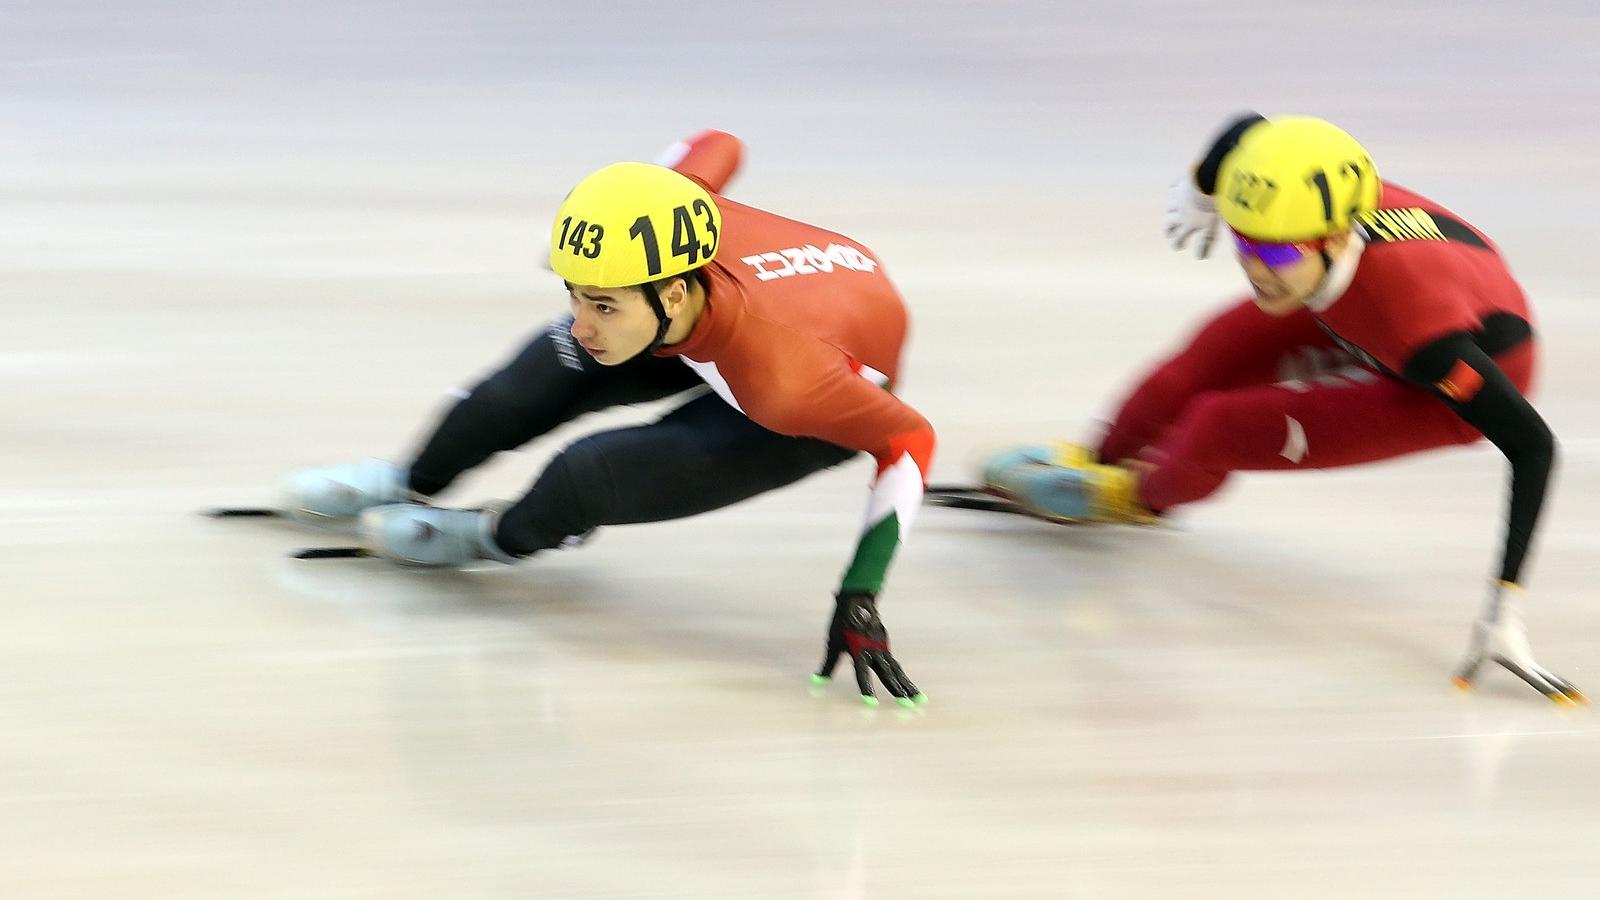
[[1381, 324], [784, 339]]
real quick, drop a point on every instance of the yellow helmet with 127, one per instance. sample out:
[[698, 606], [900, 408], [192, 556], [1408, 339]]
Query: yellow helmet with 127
[[1295, 178]]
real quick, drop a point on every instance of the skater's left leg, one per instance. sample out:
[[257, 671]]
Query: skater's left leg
[[702, 456]]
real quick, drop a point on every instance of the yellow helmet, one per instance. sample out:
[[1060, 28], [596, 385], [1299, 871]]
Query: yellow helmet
[[632, 223], [1295, 178]]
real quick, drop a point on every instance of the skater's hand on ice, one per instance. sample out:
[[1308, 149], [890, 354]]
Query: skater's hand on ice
[[1500, 637], [858, 630]]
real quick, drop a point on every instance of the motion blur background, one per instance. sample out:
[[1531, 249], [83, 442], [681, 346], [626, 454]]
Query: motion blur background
[[239, 238]]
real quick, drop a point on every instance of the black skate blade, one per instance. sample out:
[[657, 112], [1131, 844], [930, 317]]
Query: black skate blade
[[976, 501], [965, 496], [961, 496], [333, 553], [241, 512], [962, 489]]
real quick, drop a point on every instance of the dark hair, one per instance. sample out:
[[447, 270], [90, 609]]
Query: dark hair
[[691, 278]]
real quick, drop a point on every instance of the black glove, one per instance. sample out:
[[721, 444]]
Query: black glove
[[857, 629]]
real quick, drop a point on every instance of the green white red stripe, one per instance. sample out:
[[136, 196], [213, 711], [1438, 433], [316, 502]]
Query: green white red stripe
[[891, 510]]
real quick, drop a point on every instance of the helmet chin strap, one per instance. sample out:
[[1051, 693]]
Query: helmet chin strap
[[1327, 272], [1336, 274], [653, 297]]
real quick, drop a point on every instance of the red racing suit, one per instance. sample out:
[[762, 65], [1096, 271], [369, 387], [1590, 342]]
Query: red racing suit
[[803, 332]]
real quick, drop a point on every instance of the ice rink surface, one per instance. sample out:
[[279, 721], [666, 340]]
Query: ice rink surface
[[241, 238]]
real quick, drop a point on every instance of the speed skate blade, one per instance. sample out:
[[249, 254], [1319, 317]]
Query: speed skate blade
[[944, 489], [333, 553], [958, 496], [240, 512]]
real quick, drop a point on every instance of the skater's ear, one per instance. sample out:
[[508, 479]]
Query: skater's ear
[[675, 293], [1335, 243]]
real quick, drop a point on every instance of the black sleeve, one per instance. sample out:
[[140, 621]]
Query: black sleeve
[[550, 382], [1451, 368], [1205, 174]]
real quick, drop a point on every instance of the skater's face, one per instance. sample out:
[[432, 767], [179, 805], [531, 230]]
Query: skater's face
[[1284, 276], [612, 324]]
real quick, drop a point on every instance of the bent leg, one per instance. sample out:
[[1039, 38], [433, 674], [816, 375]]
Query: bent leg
[[1329, 423], [1241, 346], [550, 382], [702, 456]]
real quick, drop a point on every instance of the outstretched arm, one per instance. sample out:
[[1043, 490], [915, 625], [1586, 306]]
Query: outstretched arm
[[1461, 374]]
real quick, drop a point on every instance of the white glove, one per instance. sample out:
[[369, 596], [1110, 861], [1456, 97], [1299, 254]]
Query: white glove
[[415, 535], [1191, 214], [343, 491], [1499, 636]]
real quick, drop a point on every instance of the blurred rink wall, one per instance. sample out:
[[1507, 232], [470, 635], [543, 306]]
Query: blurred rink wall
[[186, 181]]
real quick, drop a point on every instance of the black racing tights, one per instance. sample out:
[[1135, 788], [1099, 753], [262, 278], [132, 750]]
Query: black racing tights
[[701, 456]]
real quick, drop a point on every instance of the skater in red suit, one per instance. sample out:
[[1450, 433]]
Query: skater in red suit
[[1381, 324]]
